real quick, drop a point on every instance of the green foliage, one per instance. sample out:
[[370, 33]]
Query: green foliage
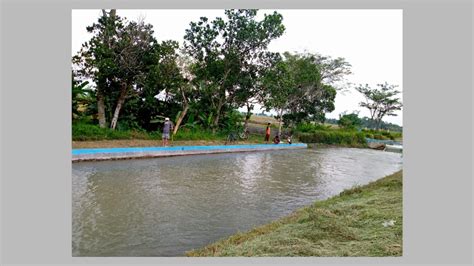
[[310, 127], [198, 133], [85, 131], [380, 101], [232, 120], [295, 89], [129, 67], [229, 55], [368, 123], [224, 64], [333, 137], [382, 134], [83, 99], [82, 131], [349, 121]]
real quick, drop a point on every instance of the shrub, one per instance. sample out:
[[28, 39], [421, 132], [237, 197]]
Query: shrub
[[309, 127], [382, 135], [83, 131], [349, 121], [199, 133], [333, 137]]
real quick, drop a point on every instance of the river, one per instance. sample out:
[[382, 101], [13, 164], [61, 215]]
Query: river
[[166, 206]]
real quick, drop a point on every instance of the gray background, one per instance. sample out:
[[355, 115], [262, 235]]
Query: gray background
[[36, 130]]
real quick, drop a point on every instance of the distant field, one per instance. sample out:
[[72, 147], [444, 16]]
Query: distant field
[[262, 120]]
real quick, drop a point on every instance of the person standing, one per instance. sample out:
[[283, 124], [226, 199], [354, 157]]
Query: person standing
[[167, 129], [267, 133]]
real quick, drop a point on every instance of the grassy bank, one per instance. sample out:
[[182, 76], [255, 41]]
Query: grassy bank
[[344, 137], [87, 132], [333, 137], [124, 143], [350, 224], [91, 136]]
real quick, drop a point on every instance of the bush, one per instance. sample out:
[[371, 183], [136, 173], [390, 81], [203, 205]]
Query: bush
[[197, 134], [333, 137], [382, 135], [349, 121], [82, 131], [309, 127]]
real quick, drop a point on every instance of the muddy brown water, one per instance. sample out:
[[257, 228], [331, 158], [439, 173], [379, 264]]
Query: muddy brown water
[[166, 206]]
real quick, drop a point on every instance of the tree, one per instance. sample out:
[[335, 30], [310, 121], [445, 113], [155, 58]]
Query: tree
[[118, 59], [228, 53], [178, 76], [349, 121], [135, 43], [380, 101], [333, 71], [95, 61], [279, 85], [161, 76], [295, 90]]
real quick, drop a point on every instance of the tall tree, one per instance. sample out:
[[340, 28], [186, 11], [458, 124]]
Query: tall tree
[[333, 71], [135, 44], [95, 60], [380, 101], [117, 59], [279, 85], [185, 89], [295, 90], [227, 53]]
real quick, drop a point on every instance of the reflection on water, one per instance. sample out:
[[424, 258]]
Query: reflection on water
[[166, 206]]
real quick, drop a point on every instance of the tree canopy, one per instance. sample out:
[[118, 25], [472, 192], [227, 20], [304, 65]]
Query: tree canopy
[[129, 80], [380, 101]]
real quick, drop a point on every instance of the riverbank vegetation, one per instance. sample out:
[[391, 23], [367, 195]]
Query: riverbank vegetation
[[125, 82], [362, 221]]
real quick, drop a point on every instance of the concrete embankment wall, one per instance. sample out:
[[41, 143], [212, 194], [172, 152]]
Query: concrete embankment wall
[[150, 152]]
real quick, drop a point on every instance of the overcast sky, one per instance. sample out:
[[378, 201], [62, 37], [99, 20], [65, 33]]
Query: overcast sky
[[370, 40]]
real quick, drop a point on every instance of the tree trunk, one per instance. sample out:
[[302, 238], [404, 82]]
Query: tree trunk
[[180, 118], [218, 114], [247, 118], [100, 93], [120, 101], [101, 109], [379, 124], [280, 118]]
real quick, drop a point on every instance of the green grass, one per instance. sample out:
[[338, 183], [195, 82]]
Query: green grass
[[349, 224], [93, 132], [326, 134], [382, 135], [198, 135], [346, 138], [88, 132]]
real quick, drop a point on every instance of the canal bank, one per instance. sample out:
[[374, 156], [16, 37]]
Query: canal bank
[[362, 221], [98, 154]]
